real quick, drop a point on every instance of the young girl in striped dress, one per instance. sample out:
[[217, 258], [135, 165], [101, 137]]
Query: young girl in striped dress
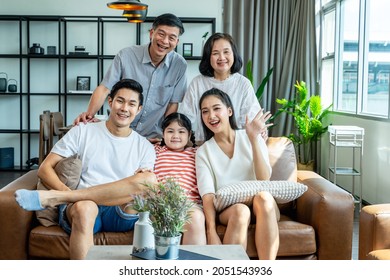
[[176, 159]]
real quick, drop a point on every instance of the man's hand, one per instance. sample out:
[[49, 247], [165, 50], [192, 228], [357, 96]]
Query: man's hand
[[85, 117], [142, 170], [155, 140], [98, 97]]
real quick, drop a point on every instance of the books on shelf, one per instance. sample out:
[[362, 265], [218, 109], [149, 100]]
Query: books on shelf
[[81, 91], [78, 53]]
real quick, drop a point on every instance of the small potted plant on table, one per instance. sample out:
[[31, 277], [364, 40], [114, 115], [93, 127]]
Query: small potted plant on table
[[168, 206]]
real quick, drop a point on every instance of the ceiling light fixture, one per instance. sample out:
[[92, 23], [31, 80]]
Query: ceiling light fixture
[[133, 10], [128, 5], [135, 16]]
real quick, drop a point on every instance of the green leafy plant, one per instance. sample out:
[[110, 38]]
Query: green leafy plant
[[308, 114], [260, 90], [168, 206]]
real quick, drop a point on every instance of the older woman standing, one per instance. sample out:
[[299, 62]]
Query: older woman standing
[[219, 68]]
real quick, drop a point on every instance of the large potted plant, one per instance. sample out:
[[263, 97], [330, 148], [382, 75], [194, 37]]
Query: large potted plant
[[168, 206], [308, 115]]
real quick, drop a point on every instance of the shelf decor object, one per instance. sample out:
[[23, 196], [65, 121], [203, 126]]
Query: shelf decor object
[[6, 157], [36, 49], [51, 50], [187, 49], [83, 83], [12, 85], [133, 10], [3, 82]]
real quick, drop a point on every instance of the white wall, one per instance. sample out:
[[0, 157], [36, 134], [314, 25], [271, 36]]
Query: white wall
[[199, 8], [376, 158]]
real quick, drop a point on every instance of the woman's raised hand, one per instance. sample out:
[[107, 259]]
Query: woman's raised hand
[[258, 125]]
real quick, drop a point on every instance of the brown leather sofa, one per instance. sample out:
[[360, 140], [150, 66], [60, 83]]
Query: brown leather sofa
[[318, 225], [374, 232]]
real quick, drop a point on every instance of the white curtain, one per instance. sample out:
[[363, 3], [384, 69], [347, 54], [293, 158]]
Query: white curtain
[[279, 34]]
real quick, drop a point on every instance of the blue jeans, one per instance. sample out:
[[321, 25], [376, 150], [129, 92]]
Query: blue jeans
[[109, 219]]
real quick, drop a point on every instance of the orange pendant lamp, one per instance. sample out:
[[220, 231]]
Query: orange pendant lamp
[[133, 10], [135, 16]]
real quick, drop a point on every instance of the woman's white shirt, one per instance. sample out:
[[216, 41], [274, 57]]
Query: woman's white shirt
[[214, 169]]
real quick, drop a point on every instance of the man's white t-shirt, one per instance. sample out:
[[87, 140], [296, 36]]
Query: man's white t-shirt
[[105, 157]]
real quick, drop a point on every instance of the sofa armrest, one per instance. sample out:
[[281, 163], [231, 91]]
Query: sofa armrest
[[374, 231], [330, 211], [15, 222]]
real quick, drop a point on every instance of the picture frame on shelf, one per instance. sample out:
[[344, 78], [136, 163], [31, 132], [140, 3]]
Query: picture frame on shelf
[[83, 83], [187, 49]]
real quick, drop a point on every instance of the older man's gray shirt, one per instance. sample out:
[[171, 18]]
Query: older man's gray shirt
[[162, 85]]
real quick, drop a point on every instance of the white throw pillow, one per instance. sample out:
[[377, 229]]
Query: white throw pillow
[[243, 192]]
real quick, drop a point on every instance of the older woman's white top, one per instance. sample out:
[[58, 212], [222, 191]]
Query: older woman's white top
[[239, 89]]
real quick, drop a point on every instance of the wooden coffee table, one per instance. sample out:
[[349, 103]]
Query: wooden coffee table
[[123, 252]]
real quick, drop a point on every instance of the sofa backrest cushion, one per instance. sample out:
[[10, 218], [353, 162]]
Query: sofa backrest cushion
[[282, 158], [69, 172]]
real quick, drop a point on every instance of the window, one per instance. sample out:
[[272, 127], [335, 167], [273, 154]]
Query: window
[[377, 58], [358, 69], [328, 55], [349, 48]]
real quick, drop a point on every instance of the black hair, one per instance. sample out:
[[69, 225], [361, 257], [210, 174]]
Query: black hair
[[224, 97], [182, 120], [169, 20], [129, 84], [205, 67]]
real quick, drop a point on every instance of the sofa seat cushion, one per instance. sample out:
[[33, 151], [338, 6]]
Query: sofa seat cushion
[[296, 239], [48, 243], [53, 243]]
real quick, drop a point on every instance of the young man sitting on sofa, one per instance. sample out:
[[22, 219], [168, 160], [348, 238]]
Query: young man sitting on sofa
[[109, 151]]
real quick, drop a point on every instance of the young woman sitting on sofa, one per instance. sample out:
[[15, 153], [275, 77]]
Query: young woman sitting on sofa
[[228, 156]]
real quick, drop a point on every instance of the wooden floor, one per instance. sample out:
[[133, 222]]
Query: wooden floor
[[355, 237], [6, 177]]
